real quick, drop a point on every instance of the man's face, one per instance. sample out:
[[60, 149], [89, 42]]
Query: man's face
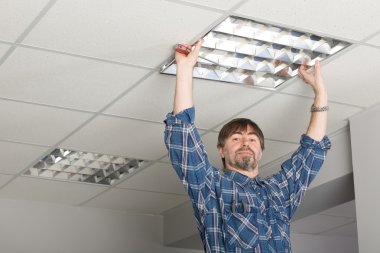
[[242, 150]]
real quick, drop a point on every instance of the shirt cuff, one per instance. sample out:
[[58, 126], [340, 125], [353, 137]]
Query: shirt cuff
[[307, 141], [186, 116]]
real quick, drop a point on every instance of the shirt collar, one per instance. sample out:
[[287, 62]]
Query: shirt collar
[[240, 178]]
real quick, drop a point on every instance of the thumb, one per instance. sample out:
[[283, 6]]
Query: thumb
[[317, 68], [198, 47]]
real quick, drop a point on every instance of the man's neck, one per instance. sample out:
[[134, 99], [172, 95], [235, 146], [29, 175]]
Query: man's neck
[[252, 173]]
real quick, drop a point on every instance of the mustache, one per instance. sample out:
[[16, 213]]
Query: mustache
[[245, 149]]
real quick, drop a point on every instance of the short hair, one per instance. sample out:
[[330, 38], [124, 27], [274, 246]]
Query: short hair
[[235, 125]]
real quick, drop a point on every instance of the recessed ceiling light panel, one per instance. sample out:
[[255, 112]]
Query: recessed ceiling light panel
[[64, 164], [244, 51]]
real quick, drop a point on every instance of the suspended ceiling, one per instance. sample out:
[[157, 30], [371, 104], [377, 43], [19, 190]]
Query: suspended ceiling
[[84, 75]]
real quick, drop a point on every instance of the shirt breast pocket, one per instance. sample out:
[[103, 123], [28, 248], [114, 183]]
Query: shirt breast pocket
[[242, 229]]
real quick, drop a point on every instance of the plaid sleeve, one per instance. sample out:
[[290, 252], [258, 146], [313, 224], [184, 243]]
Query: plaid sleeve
[[187, 154], [299, 171]]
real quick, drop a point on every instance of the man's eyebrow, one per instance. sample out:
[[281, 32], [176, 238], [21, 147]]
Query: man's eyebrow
[[241, 133]]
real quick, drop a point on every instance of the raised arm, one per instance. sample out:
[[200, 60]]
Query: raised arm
[[183, 97], [318, 120], [182, 139]]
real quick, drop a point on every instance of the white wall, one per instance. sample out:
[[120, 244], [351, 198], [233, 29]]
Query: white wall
[[365, 140], [36, 227], [304, 243]]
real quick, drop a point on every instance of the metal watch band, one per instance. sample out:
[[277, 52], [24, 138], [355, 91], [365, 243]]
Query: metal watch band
[[319, 109]]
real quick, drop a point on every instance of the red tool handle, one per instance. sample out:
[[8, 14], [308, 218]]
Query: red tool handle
[[182, 49]]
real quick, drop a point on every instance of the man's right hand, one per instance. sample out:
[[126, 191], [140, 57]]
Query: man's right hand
[[183, 97], [188, 61]]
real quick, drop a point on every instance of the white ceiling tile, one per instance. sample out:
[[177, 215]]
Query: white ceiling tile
[[160, 177], [214, 101], [346, 230], [143, 33], [349, 19], [344, 210], [351, 78], [16, 157], [4, 179], [137, 201], [62, 80], [276, 149], [140, 32], [118, 136], [273, 150], [374, 40], [3, 49], [29, 188], [37, 124], [15, 16], [316, 224], [218, 4], [298, 87], [285, 117], [152, 99], [165, 159]]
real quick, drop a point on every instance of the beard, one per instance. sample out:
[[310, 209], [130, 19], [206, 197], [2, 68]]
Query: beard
[[246, 163]]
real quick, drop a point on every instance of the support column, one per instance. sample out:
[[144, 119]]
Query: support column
[[365, 140]]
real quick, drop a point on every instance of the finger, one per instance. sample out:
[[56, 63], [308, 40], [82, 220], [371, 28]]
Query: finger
[[304, 62], [198, 46], [302, 76], [187, 46], [317, 67], [304, 65], [302, 70]]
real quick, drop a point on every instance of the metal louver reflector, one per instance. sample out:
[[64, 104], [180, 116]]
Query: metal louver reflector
[[244, 51], [81, 166]]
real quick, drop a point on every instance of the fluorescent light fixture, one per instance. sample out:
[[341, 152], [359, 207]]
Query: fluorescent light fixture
[[64, 164], [244, 51]]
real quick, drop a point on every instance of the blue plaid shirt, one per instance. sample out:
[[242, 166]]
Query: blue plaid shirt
[[235, 213]]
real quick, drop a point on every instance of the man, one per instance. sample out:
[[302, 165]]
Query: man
[[236, 211]]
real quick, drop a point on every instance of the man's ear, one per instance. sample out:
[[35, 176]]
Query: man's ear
[[221, 153]]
